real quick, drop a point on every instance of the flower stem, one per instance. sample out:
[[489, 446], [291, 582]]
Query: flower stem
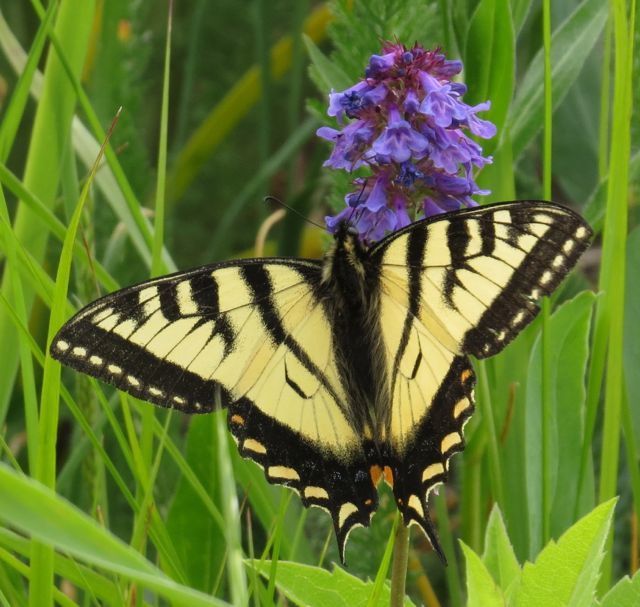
[[399, 566]]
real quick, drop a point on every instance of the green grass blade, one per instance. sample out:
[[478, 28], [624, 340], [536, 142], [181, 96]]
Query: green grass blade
[[47, 517], [233, 107], [45, 472], [111, 179], [49, 136], [610, 317], [30, 397], [490, 42], [546, 370], [265, 103], [446, 538], [571, 43], [383, 569], [251, 189], [15, 109], [157, 266], [231, 514]]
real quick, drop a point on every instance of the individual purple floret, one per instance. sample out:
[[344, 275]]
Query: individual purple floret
[[405, 122]]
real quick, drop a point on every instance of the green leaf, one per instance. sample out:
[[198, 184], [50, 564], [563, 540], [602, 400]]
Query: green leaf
[[312, 586], [595, 208], [632, 329], [326, 73], [482, 590], [231, 511], [498, 556], [626, 593], [490, 43], [38, 511], [571, 44], [520, 9], [565, 573], [569, 334], [197, 537]]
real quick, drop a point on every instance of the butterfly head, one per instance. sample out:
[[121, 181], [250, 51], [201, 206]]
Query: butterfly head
[[346, 259]]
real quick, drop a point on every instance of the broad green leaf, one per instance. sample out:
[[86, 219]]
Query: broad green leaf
[[326, 73], [482, 590], [508, 379], [595, 208], [498, 556], [569, 334], [520, 9], [315, 587], [565, 573], [38, 511], [626, 593], [571, 44], [490, 43], [632, 329], [197, 537]]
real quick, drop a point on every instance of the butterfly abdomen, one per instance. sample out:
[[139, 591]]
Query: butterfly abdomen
[[354, 297]]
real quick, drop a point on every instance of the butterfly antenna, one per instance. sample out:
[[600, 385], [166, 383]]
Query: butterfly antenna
[[268, 199], [355, 206]]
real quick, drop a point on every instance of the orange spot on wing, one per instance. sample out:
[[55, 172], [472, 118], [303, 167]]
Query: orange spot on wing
[[237, 419], [376, 474], [466, 374], [388, 476]]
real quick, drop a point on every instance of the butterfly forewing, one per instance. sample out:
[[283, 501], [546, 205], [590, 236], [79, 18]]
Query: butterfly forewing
[[480, 272]]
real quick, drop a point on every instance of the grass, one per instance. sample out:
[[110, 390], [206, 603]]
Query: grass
[[133, 506]]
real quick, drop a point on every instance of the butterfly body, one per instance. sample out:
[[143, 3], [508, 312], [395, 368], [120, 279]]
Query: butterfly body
[[340, 371], [352, 300]]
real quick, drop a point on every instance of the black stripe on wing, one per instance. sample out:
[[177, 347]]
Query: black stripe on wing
[[132, 369], [113, 357], [258, 280], [542, 270], [415, 254], [503, 233]]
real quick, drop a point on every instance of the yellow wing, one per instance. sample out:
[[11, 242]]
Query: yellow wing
[[462, 283], [257, 333]]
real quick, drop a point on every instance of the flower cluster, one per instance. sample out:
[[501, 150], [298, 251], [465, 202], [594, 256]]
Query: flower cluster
[[406, 124]]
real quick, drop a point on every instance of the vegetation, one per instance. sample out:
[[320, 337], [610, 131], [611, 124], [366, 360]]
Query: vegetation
[[107, 500]]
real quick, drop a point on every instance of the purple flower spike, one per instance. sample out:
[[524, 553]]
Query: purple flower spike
[[399, 141], [409, 128], [443, 107], [379, 65]]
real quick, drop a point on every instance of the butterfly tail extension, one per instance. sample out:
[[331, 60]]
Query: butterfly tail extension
[[424, 462]]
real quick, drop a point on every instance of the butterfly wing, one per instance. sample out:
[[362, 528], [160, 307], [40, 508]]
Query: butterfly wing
[[257, 334], [462, 283]]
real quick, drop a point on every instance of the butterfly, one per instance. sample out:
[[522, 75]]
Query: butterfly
[[341, 371]]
